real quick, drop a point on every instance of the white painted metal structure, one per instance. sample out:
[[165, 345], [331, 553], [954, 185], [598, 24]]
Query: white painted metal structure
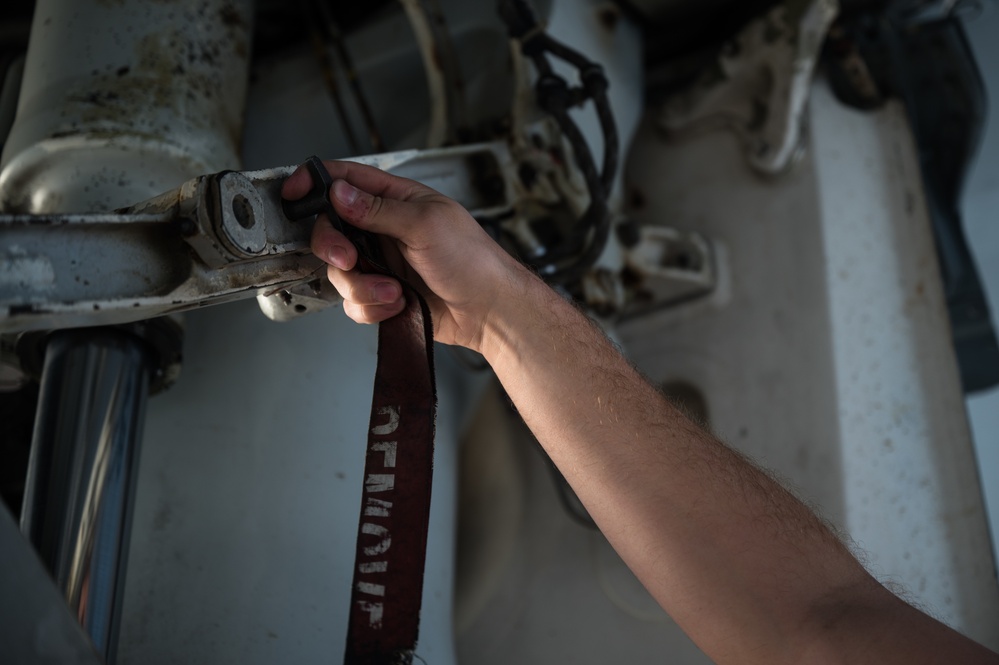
[[824, 353], [827, 354], [93, 135]]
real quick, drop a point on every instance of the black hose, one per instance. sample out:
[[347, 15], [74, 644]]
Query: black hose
[[549, 44], [601, 232], [556, 98], [612, 145], [554, 95], [596, 213]]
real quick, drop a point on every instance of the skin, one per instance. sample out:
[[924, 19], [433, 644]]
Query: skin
[[742, 566]]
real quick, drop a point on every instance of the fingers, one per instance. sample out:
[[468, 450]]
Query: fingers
[[373, 200], [369, 314], [368, 298], [364, 289], [331, 246], [370, 179], [383, 215]]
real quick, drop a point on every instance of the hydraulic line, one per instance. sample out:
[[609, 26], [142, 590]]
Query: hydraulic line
[[556, 98]]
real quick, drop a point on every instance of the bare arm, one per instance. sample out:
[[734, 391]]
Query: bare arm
[[741, 565]]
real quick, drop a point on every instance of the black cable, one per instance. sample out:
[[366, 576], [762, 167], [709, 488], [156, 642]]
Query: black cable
[[612, 145], [556, 98], [594, 87], [519, 17], [581, 150], [578, 268], [549, 44], [596, 214]]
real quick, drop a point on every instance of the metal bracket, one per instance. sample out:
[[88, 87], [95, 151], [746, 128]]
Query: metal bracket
[[671, 267], [760, 84], [662, 267], [216, 238]]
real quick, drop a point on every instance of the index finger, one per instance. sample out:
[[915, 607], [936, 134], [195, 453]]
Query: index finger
[[367, 178]]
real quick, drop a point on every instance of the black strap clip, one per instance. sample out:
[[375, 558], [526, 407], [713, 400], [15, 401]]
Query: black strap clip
[[317, 202]]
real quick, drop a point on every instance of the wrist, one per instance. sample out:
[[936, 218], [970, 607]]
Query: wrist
[[517, 310]]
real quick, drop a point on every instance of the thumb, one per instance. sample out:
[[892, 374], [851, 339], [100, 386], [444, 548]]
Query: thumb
[[384, 216]]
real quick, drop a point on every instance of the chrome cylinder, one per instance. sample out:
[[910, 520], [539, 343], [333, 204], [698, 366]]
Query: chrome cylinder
[[120, 101], [78, 499]]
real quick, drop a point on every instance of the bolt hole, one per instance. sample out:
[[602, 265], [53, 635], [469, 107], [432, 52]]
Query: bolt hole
[[243, 211], [300, 309], [680, 257]]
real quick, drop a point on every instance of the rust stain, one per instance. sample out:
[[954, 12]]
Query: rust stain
[[164, 86]]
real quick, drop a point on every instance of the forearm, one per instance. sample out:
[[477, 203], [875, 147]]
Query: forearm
[[737, 561], [742, 566]]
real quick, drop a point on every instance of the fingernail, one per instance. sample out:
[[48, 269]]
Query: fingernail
[[338, 257], [387, 292], [344, 192]]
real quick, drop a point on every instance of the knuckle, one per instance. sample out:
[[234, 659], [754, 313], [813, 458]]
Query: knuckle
[[335, 276], [332, 274], [375, 209], [359, 294], [357, 313], [370, 314], [346, 284], [425, 217]]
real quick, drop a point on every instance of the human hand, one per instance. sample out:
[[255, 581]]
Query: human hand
[[461, 272]]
